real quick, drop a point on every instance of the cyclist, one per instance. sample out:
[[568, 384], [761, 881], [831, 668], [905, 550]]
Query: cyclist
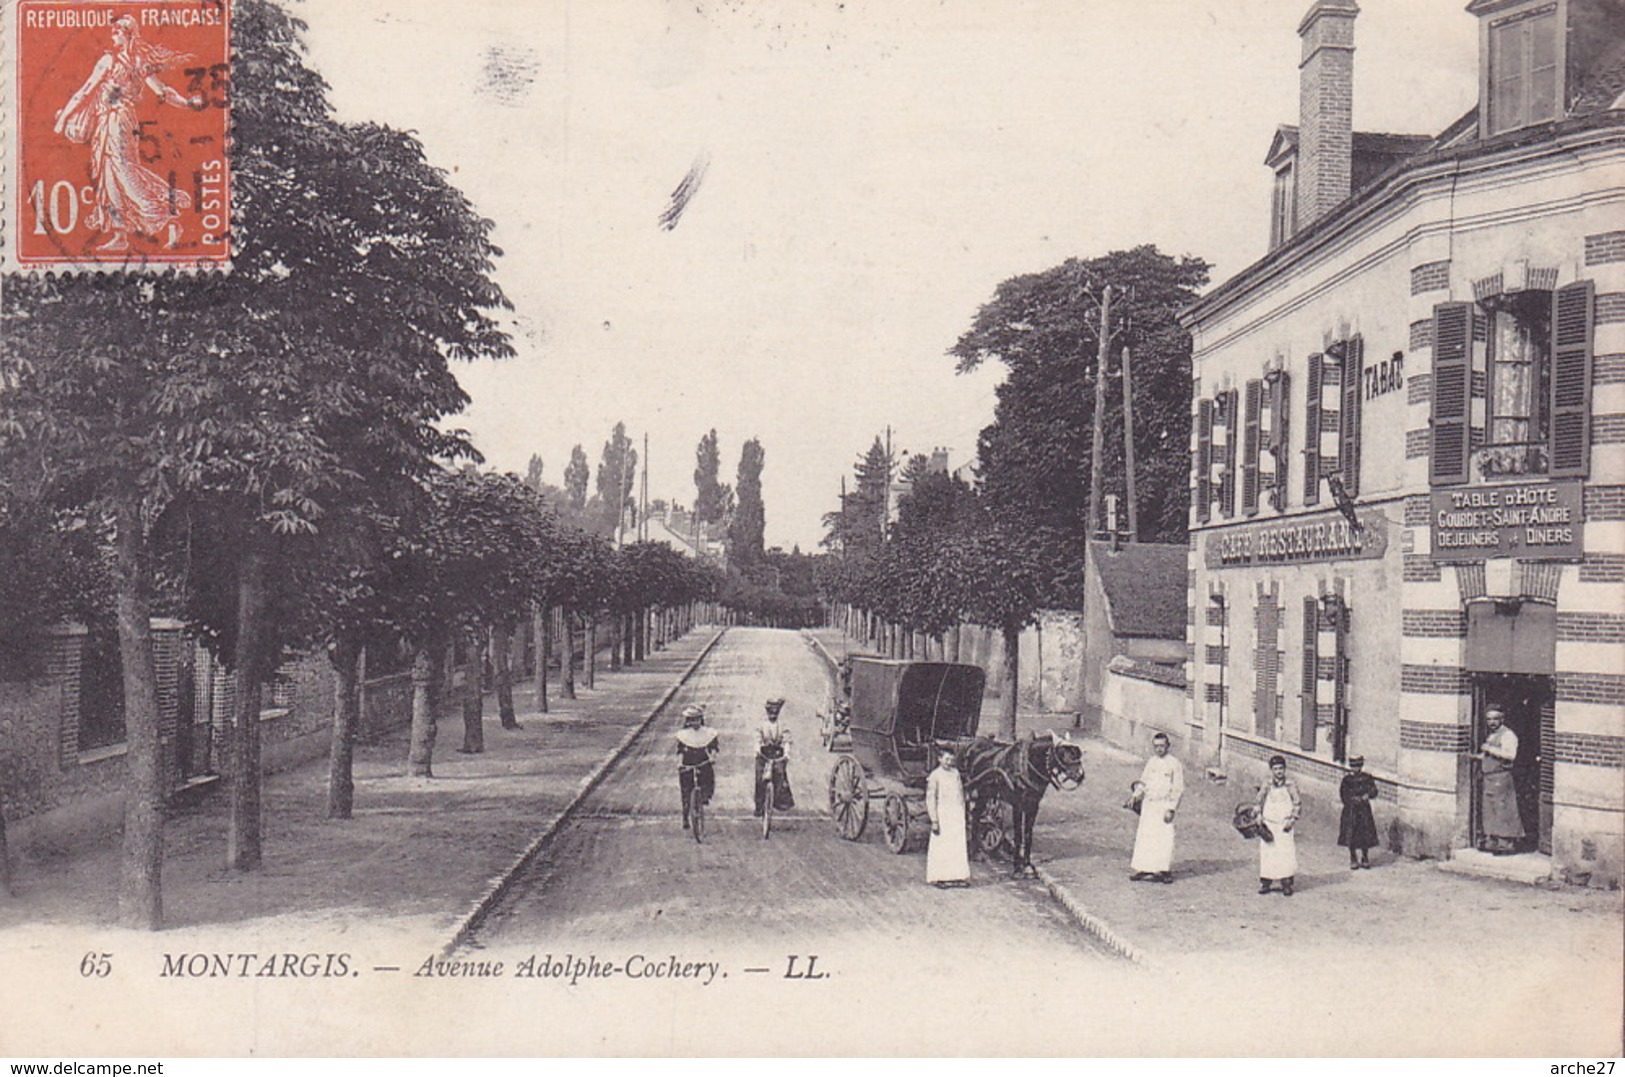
[[771, 741], [697, 754]]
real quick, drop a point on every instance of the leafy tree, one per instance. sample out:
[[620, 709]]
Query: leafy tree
[[709, 493], [749, 518], [1034, 458], [617, 478], [533, 474], [856, 528], [235, 400], [576, 477]]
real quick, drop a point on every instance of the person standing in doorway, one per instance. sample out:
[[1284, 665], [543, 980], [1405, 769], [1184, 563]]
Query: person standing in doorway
[[1279, 805], [947, 861], [1163, 781], [1503, 826], [1357, 832]]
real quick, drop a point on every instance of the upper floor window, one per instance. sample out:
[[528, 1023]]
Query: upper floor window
[[1283, 206], [1517, 358], [1512, 385], [1523, 75]]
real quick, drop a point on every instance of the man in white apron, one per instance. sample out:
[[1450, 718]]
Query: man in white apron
[[1280, 804], [1163, 781]]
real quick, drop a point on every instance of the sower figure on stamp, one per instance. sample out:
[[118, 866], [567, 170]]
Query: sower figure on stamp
[[128, 196], [1163, 782], [1280, 804], [1503, 826], [1357, 830]]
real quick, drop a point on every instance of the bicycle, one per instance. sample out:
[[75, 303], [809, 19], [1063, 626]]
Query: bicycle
[[696, 800], [773, 774]]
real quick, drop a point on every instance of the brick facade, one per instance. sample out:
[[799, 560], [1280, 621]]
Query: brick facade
[[1605, 247], [1431, 277]]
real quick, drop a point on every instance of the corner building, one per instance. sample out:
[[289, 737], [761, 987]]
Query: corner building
[[1408, 447]]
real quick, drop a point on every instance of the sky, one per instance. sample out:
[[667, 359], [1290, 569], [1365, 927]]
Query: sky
[[868, 172]]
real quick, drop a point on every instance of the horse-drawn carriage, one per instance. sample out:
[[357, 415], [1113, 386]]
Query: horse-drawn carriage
[[898, 714]]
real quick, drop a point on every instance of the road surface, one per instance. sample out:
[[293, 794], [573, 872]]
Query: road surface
[[624, 883]]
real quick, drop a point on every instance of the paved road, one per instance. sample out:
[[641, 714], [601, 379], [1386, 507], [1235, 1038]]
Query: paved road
[[623, 878]]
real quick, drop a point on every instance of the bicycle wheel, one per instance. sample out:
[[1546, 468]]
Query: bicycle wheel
[[696, 813], [767, 806]]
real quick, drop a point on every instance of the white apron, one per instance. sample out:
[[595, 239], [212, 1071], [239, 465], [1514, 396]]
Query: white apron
[[948, 859], [1278, 859], [1154, 839]]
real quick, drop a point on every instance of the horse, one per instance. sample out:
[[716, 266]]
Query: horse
[[1019, 774]]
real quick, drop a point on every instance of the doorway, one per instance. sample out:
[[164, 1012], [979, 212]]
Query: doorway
[[1529, 702]]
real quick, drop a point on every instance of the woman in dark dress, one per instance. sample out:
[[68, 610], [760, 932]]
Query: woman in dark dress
[[1358, 830]]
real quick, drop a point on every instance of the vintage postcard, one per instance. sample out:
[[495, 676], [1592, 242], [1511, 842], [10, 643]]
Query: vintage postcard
[[867, 528]]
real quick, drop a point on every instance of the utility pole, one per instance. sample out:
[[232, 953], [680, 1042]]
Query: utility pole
[[886, 497], [1128, 446], [622, 489], [643, 513], [1098, 432], [841, 534]]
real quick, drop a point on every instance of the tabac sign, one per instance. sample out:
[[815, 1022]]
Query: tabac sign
[[1323, 537], [1520, 519]]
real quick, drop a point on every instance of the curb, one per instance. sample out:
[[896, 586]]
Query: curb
[[1092, 925], [1088, 922], [816, 645], [501, 884]]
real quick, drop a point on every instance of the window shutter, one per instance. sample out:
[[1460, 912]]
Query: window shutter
[[1280, 447], [1311, 663], [1311, 434], [1204, 460], [1232, 434], [1348, 452], [1249, 449], [1572, 325], [1452, 353]]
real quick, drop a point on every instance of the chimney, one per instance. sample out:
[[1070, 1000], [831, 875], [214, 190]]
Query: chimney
[[1325, 108]]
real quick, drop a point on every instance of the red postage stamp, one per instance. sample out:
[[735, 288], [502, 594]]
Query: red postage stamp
[[122, 119]]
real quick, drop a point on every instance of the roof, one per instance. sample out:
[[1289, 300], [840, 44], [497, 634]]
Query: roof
[[1143, 669], [1597, 96], [1145, 587]]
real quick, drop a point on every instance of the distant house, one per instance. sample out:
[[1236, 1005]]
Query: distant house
[[1408, 446], [1134, 628]]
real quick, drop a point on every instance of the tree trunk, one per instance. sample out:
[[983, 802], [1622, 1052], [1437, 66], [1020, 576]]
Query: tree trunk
[[140, 896], [345, 658], [955, 634], [1012, 682], [567, 659], [617, 640], [590, 659], [243, 845], [640, 639], [473, 693], [420, 756], [502, 645], [544, 654]]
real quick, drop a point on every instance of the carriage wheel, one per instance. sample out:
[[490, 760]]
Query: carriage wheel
[[995, 824], [895, 821], [848, 798]]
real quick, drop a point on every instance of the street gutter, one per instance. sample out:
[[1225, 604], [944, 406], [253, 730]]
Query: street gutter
[[499, 886], [1087, 922]]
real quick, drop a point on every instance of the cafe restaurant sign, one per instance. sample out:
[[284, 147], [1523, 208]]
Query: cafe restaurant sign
[[1532, 520], [1322, 537]]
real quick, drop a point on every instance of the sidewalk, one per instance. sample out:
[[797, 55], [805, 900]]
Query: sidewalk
[[416, 858], [1401, 908]]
